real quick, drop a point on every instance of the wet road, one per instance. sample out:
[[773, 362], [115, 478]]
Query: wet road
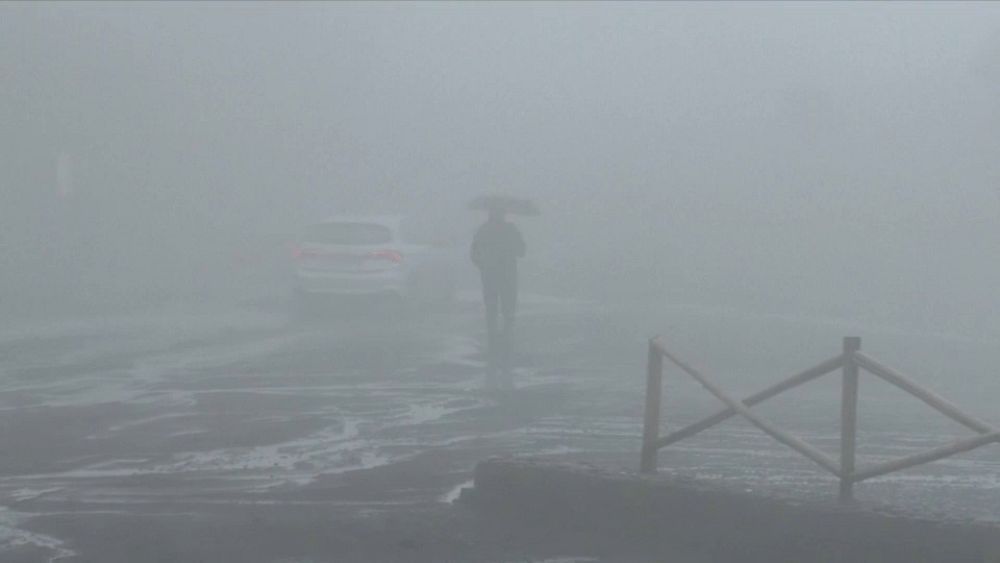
[[137, 434]]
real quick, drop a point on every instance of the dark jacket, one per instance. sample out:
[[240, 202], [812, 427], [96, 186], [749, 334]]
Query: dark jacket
[[496, 248]]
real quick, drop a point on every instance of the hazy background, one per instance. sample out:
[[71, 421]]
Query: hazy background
[[815, 159]]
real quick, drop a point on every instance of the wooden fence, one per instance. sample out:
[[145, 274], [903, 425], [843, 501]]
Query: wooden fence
[[851, 361]]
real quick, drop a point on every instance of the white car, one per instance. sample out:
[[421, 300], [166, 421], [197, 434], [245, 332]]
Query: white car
[[372, 256]]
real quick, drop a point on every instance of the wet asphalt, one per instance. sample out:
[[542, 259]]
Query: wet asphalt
[[244, 433]]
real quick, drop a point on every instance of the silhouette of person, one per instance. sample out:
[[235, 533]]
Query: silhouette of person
[[495, 250]]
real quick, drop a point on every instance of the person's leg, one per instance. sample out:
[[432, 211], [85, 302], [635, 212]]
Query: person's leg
[[491, 298], [508, 308]]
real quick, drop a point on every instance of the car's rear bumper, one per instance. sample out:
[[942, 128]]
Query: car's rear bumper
[[328, 283]]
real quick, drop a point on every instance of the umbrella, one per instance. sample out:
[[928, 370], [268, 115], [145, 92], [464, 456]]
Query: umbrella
[[505, 203]]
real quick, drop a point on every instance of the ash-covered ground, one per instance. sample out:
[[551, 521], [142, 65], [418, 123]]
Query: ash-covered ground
[[238, 433]]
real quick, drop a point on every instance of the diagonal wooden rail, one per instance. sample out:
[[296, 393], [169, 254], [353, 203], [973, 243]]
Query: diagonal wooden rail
[[850, 361], [771, 430]]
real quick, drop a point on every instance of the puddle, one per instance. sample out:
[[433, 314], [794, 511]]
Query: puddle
[[13, 537], [455, 492]]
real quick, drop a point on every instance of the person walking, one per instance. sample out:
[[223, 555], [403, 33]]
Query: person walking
[[496, 248]]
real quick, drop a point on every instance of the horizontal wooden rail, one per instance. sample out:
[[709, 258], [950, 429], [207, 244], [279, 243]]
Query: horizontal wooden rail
[[931, 399], [794, 381], [820, 458], [926, 457]]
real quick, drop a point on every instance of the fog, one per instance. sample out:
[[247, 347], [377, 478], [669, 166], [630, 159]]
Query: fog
[[752, 180], [827, 159]]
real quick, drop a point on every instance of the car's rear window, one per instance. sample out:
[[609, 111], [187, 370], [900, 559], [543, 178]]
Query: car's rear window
[[348, 233]]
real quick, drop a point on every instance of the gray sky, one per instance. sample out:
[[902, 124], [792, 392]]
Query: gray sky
[[826, 158]]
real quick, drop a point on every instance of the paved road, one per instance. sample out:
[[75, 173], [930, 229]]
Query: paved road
[[237, 434]]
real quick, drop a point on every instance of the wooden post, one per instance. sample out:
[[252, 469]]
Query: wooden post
[[848, 418], [651, 424]]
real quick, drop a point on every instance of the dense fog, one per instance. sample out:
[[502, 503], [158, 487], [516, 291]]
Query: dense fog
[[833, 160], [241, 318]]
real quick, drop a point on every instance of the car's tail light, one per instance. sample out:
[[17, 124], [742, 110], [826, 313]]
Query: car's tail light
[[299, 253], [391, 255]]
